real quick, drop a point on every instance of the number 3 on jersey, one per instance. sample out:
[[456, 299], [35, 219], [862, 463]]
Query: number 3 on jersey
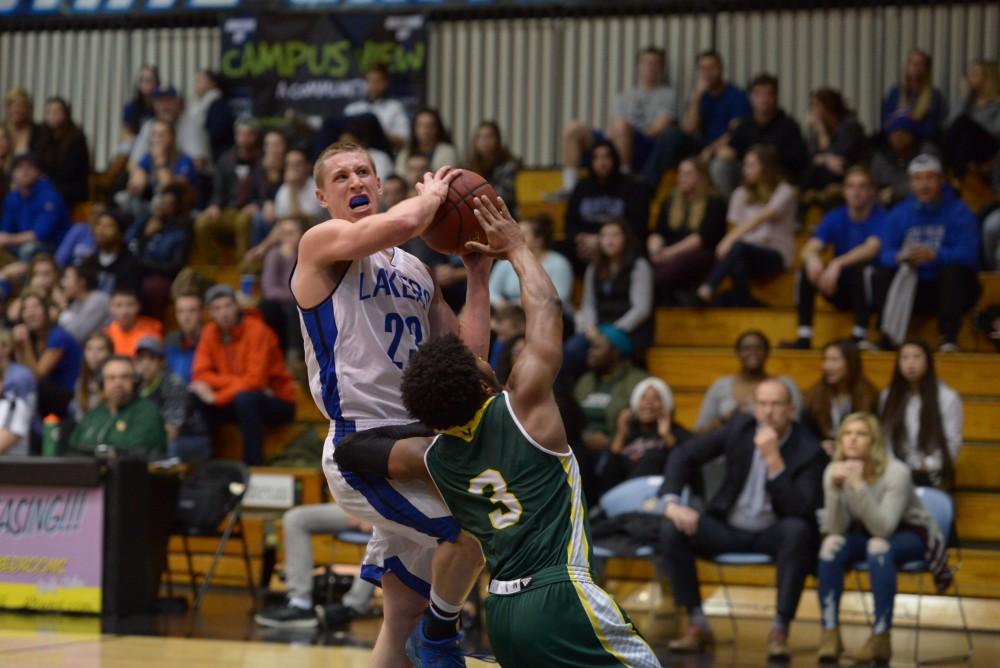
[[510, 509], [397, 326]]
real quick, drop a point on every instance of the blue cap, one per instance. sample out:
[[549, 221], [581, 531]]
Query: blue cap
[[902, 122], [165, 91], [618, 338]]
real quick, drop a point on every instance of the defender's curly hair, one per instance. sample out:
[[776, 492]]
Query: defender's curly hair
[[442, 385]]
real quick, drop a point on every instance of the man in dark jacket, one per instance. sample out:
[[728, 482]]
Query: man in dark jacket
[[767, 503], [768, 125]]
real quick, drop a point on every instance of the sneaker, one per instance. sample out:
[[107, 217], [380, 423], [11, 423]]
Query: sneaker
[[777, 645], [798, 344], [287, 617], [335, 615], [949, 347], [424, 653]]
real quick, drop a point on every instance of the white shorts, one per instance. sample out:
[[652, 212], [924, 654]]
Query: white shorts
[[410, 519]]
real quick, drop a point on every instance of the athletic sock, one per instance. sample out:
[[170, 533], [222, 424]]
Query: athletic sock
[[805, 332], [441, 619], [696, 617], [570, 177]]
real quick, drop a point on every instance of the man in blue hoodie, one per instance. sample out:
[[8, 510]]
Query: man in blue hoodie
[[934, 233], [35, 217]]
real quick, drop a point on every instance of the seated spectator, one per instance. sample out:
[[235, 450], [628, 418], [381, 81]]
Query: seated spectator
[[768, 124], [127, 327], [429, 137], [491, 158], [730, 396], [416, 167], [714, 108], [504, 284], [842, 389], [690, 225], [929, 257], [191, 138], [116, 266], [638, 117], [87, 308], [35, 217], [606, 195], [163, 166], [295, 199], [393, 192], [358, 131], [837, 141], [973, 134], [603, 392], [123, 420], [180, 344], [140, 107], [298, 526], [96, 350], [6, 155], [16, 416], [871, 513], [17, 379], [51, 354], [24, 132], [393, 123], [272, 164], [188, 435], [160, 245], [211, 110], [767, 503], [854, 231], [62, 153], [917, 98], [78, 245], [890, 162], [617, 291], [277, 305], [240, 370], [508, 325], [43, 278], [761, 242], [646, 433], [922, 417], [238, 192]]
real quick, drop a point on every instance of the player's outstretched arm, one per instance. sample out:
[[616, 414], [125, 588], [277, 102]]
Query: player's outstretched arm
[[338, 240], [395, 452], [535, 371]]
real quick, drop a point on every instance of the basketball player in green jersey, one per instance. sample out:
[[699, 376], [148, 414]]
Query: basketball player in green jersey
[[502, 464]]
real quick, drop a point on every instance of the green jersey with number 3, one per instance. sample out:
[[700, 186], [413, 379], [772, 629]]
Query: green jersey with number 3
[[524, 503]]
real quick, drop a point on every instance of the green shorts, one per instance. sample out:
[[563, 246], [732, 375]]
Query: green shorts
[[563, 619]]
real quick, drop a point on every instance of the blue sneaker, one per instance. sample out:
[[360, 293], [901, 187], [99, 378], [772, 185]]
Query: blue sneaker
[[424, 653]]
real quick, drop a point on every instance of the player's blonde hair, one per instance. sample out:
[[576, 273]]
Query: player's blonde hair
[[335, 149]]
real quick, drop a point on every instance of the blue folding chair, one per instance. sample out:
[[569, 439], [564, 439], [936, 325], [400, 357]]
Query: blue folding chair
[[942, 509]]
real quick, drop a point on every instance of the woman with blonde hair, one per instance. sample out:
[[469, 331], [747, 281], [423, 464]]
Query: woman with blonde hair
[[973, 134], [689, 227], [916, 98], [761, 241], [872, 513], [23, 131]]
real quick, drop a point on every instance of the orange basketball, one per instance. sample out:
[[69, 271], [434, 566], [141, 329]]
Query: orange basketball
[[455, 223]]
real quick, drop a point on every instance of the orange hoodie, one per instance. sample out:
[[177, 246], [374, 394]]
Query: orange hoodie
[[250, 360], [125, 342]]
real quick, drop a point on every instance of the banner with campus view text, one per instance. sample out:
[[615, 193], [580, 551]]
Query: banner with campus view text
[[51, 541], [315, 64]]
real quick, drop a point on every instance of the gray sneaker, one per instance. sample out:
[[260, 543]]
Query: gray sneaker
[[287, 617]]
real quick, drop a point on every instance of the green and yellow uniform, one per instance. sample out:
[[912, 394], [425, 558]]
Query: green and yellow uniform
[[524, 504]]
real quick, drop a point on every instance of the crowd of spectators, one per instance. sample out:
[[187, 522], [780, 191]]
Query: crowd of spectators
[[87, 301]]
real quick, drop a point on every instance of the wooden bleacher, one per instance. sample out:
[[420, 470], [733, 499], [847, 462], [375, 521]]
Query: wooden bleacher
[[694, 346]]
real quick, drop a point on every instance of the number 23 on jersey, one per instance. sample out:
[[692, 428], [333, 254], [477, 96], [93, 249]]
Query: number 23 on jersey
[[509, 512]]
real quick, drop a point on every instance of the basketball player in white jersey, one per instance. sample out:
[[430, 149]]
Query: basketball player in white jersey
[[364, 307]]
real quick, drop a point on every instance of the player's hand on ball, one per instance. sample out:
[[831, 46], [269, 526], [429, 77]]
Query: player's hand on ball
[[437, 183], [502, 232]]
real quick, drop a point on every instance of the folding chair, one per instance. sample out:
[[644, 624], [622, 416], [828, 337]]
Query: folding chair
[[942, 509], [238, 476]]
